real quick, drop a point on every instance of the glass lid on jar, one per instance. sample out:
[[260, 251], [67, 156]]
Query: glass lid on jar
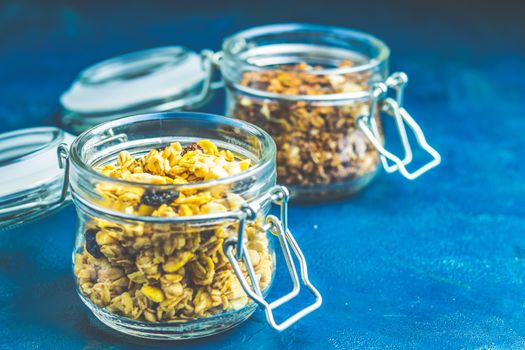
[[160, 79], [31, 170]]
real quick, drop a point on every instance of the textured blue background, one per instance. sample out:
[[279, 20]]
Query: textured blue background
[[437, 263]]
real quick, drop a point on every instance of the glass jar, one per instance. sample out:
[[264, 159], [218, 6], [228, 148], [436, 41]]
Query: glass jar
[[322, 93], [319, 92], [174, 277]]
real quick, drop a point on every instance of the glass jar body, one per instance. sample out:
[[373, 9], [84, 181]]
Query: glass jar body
[[167, 277], [307, 86], [165, 281]]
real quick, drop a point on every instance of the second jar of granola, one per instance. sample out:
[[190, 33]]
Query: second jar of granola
[[320, 92]]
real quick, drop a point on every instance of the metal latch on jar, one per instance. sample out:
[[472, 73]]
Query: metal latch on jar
[[393, 107], [279, 227]]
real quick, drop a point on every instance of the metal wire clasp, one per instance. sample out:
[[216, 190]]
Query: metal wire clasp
[[277, 195], [393, 107]]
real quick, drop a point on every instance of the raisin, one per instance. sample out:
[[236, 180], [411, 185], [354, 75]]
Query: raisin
[[191, 147], [91, 243], [155, 198]]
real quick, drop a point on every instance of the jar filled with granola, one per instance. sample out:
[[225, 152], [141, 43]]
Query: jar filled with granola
[[323, 94], [174, 237], [320, 92]]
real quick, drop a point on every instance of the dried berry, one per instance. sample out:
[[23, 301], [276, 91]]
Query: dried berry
[[91, 243], [191, 147], [155, 197]]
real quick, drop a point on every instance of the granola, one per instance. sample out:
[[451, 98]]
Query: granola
[[318, 142], [158, 272]]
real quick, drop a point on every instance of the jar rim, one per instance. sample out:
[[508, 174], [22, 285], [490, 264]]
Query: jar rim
[[382, 55], [267, 156]]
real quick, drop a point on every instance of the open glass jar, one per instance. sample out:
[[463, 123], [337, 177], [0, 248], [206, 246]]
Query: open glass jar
[[321, 92], [173, 259]]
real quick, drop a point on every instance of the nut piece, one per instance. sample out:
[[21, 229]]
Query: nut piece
[[175, 263], [154, 294]]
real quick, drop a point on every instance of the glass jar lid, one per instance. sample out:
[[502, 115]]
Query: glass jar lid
[[30, 162], [160, 79]]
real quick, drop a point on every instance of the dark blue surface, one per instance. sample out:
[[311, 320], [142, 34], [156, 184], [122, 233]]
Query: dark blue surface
[[437, 263]]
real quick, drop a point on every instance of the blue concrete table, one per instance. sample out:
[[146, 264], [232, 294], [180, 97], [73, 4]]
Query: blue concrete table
[[434, 263]]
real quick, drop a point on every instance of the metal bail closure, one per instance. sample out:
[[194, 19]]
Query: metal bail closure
[[34, 162], [277, 195], [393, 108]]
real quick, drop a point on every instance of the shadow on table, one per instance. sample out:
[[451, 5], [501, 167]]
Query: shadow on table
[[99, 334]]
